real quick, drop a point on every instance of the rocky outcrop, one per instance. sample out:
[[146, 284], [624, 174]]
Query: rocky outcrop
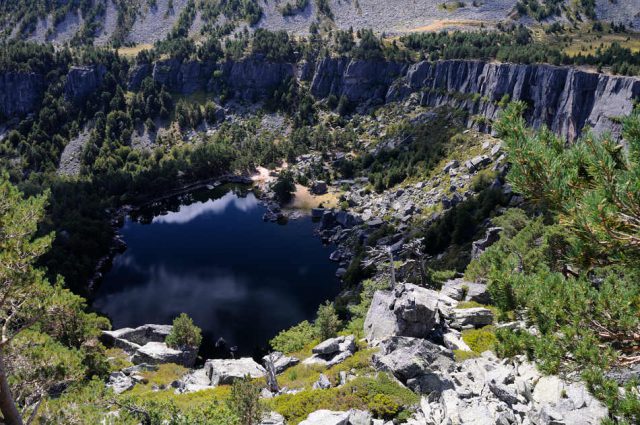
[[145, 344], [418, 363], [359, 81], [408, 310], [256, 78], [224, 372], [489, 391], [564, 99], [179, 77], [251, 79], [83, 81], [332, 351], [20, 92]]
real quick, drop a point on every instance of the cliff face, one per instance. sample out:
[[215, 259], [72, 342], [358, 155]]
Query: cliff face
[[250, 79], [564, 99], [83, 81], [20, 92]]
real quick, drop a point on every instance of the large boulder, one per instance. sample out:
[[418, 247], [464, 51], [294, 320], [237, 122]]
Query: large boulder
[[280, 361], [140, 335], [468, 318], [409, 310], [224, 372], [326, 417], [462, 290], [145, 344], [332, 351], [420, 364], [160, 353]]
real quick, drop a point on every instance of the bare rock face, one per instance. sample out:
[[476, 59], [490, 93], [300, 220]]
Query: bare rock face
[[564, 99], [83, 81], [462, 290], [409, 310], [480, 246], [467, 318], [280, 361], [420, 364], [20, 92], [332, 351], [224, 372], [145, 344]]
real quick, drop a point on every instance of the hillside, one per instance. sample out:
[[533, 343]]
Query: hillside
[[143, 22]]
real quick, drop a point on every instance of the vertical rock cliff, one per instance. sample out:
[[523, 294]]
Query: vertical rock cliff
[[20, 92]]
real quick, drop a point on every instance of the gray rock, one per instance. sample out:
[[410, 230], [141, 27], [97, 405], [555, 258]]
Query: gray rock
[[332, 351], [462, 290], [464, 318], [20, 92], [119, 382], [409, 311], [322, 383], [421, 364], [319, 187], [280, 361], [83, 81], [491, 236], [272, 418], [326, 417], [160, 353], [224, 372]]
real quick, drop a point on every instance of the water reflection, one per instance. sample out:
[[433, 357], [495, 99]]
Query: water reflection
[[215, 259], [187, 213]]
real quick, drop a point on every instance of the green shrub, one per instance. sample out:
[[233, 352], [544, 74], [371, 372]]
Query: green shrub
[[483, 179], [245, 401], [327, 322], [480, 340], [383, 406], [295, 338], [184, 333]]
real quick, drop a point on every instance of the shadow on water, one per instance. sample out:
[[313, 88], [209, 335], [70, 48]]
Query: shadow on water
[[210, 255]]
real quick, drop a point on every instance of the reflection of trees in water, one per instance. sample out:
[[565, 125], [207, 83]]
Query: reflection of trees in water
[[146, 213]]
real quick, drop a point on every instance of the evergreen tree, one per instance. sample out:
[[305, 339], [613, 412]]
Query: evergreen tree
[[44, 336]]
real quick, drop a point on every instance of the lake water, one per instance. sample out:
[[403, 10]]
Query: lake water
[[210, 255]]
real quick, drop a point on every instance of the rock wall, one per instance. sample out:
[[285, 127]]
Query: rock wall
[[83, 81], [20, 92], [565, 99]]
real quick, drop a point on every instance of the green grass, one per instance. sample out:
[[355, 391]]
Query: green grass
[[381, 395]]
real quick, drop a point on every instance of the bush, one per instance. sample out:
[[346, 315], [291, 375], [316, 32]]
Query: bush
[[245, 401], [383, 406], [327, 322], [295, 338], [480, 340], [184, 333]]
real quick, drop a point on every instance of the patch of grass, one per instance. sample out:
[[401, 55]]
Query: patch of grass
[[118, 359], [480, 340], [380, 394], [462, 355]]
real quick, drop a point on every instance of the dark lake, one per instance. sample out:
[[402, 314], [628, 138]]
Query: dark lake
[[210, 255]]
